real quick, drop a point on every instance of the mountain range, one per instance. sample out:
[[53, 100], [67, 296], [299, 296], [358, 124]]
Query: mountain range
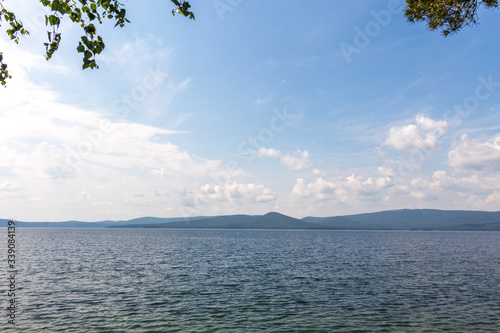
[[403, 219]]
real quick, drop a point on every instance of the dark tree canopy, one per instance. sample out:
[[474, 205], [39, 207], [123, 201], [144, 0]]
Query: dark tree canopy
[[449, 16]]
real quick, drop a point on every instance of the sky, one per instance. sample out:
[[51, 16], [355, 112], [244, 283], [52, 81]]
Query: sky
[[256, 106]]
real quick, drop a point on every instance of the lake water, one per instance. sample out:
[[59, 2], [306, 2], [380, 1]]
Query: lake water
[[151, 280]]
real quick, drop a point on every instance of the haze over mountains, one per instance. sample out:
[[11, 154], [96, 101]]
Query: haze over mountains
[[404, 219]]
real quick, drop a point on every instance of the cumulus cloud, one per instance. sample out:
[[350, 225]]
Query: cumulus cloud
[[386, 171], [269, 152], [366, 187], [422, 135], [440, 190], [318, 172], [234, 191], [472, 191], [231, 197], [297, 160], [473, 155], [320, 189], [340, 189]]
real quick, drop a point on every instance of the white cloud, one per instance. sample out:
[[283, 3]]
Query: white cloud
[[418, 195], [317, 172], [84, 196], [468, 192], [320, 189], [386, 171], [439, 190], [231, 197], [383, 182], [81, 198], [139, 199], [297, 160], [7, 186], [234, 191], [270, 152], [420, 136], [301, 189], [102, 203], [62, 160], [83, 163], [399, 190], [65, 145], [493, 198], [44, 138], [473, 155]]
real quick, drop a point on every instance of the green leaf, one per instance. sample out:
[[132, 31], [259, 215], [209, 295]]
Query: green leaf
[[81, 12], [55, 5], [54, 20]]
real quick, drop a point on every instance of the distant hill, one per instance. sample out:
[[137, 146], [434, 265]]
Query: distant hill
[[269, 221], [403, 219], [274, 220], [100, 224], [207, 222], [414, 219]]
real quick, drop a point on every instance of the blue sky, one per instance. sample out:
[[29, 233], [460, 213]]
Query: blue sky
[[256, 106]]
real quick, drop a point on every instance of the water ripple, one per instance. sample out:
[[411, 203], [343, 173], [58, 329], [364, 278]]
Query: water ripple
[[119, 280]]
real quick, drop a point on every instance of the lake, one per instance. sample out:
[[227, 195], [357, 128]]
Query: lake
[[164, 280]]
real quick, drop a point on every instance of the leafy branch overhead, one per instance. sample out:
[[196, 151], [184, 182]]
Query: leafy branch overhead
[[448, 16], [182, 8], [85, 13]]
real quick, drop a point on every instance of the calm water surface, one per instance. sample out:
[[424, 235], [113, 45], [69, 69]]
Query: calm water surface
[[146, 280]]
